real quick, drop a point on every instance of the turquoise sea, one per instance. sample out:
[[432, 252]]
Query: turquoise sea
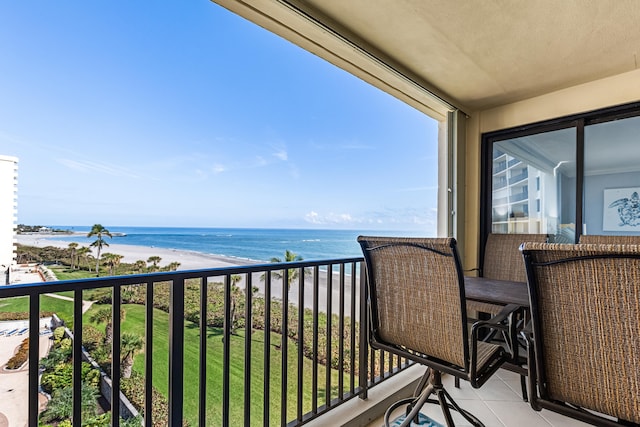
[[260, 244]]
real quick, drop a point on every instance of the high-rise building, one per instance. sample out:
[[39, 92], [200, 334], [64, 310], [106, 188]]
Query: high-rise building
[[8, 215]]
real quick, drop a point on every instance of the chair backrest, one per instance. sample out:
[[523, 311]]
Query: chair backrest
[[585, 310], [416, 296], [502, 257], [609, 239]]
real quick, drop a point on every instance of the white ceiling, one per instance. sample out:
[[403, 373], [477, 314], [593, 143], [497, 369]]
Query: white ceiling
[[474, 54]]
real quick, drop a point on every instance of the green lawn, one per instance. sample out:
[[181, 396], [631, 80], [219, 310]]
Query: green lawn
[[134, 323], [63, 272], [63, 308]]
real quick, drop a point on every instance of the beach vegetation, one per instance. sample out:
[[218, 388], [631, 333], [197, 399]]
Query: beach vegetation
[[99, 232], [61, 262], [173, 266], [140, 266], [111, 261], [154, 261]]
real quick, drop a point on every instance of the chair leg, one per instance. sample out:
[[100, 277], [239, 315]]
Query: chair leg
[[444, 399], [523, 385]]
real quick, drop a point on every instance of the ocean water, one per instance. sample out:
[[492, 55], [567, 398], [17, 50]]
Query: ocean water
[[258, 244]]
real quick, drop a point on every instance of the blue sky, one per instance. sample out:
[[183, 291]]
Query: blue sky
[[179, 113]]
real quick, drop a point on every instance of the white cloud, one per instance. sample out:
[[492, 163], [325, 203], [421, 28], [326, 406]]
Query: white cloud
[[330, 218], [404, 219], [90, 166], [281, 154]]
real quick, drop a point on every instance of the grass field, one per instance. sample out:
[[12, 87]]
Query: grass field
[[63, 272], [63, 308], [134, 323]]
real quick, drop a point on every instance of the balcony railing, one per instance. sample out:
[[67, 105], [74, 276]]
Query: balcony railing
[[304, 350]]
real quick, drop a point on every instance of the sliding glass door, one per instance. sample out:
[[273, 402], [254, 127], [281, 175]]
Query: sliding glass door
[[565, 177]]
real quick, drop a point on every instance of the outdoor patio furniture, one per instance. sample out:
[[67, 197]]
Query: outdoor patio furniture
[[417, 307], [585, 312], [503, 261]]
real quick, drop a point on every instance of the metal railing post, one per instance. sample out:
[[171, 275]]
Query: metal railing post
[[364, 329]]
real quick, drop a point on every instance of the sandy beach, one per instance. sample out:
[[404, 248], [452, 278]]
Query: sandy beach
[[188, 260]]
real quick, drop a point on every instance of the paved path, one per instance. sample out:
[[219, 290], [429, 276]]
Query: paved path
[[14, 384], [86, 305]]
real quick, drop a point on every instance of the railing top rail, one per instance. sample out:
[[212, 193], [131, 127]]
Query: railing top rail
[[108, 281]]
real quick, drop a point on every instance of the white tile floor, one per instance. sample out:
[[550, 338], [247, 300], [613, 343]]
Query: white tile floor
[[498, 403]]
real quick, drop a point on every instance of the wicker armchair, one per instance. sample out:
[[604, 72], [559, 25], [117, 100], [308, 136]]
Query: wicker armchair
[[417, 309], [585, 310]]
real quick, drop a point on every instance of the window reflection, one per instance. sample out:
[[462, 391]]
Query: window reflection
[[533, 185], [611, 177]]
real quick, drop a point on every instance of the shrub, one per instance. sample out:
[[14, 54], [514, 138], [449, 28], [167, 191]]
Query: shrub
[[92, 337], [21, 355], [62, 375], [56, 356], [21, 315], [58, 334], [133, 388]]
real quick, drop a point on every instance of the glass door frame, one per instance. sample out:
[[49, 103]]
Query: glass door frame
[[578, 122]]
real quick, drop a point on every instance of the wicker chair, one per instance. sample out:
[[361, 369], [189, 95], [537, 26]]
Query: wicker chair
[[417, 309], [503, 261], [585, 311]]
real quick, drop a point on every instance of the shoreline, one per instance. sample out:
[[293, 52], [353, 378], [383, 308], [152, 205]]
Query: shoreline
[[189, 260]]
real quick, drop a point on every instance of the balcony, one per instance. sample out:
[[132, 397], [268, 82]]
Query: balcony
[[519, 177], [285, 382]]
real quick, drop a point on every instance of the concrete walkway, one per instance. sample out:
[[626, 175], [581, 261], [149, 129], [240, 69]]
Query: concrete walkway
[[14, 384]]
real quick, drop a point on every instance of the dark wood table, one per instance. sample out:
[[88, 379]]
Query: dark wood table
[[496, 291]]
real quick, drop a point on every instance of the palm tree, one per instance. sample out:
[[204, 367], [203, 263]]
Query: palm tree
[[112, 261], [154, 260], [72, 247], [235, 290], [173, 266], [99, 231], [104, 316], [139, 266], [130, 346], [83, 253], [293, 272]]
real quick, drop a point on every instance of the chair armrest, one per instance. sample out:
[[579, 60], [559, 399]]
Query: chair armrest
[[497, 322]]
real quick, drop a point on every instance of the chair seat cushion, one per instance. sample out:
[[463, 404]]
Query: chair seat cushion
[[487, 353]]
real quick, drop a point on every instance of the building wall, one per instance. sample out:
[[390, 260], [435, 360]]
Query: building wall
[[8, 212], [607, 92]]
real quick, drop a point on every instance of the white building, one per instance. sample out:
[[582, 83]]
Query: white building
[[8, 214]]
